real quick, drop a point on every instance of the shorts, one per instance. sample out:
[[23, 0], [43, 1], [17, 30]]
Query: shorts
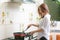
[[42, 38]]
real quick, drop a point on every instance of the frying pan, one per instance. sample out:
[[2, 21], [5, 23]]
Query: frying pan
[[22, 35]]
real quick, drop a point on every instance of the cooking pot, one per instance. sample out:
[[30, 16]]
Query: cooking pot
[[19, 35], [22, 35]]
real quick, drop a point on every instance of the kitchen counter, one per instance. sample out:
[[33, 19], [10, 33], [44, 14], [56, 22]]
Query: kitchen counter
[[55, 31]]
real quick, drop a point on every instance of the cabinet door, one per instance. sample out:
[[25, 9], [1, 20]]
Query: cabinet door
[[50, 37], [58, 37]]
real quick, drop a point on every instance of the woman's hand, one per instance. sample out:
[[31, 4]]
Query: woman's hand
[[31, 33], [29, 25]]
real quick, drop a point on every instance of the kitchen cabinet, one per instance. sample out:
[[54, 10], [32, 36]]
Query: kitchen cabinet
[[55, 35], [58, 37], [50, 37]]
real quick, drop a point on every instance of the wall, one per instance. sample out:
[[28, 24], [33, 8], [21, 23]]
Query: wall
[[15, 17]]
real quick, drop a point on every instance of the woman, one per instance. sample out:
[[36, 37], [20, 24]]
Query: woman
[[44, 25]]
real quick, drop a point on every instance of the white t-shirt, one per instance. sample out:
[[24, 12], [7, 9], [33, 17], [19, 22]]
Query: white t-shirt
[[45, 25]]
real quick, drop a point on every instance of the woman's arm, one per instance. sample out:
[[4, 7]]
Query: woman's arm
[[39, 30], [35, 25]]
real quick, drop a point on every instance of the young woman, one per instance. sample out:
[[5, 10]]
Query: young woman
[[44, 25]]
